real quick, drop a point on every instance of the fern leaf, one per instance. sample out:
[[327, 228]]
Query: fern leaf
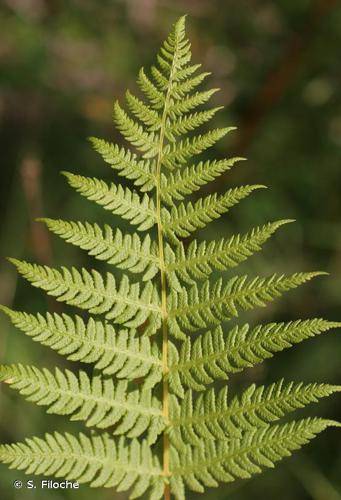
[[120, 201], [188, 104], [179, 153], [214, 356], [134, 133], [211, 304], [153, 94], [121, 353], [126, 163], [87, 290], [97, 401], [125, 251], [183, 219], [181, 88], [143, 383], [223, 461], [99, 460], [189, 122], [190, 179], [147, 116], [198, 260], [212, 416]]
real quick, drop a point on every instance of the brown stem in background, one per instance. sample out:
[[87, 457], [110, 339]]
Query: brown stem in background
[[30, 174], [280, 78]]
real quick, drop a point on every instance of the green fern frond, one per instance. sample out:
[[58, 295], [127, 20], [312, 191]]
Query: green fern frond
[[183, 182], [144, 384], [121, 353], [99, 460], [126, 163], [120, 201], [96, 401], [214, 356], [224, 461], [212, 416], [125, 251], [182, 220], [124, 304], [212, 303], [198, 260]]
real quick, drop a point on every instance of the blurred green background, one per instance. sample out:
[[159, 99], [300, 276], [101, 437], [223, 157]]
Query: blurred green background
[[278, 66]]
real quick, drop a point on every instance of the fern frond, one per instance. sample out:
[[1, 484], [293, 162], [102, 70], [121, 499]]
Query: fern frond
[[96, 401], [224, 461], [197, 308], [120, 201], [126, 163], [143, 383], [124, 250], [178, 153], [99, 460], [213, 416], [214, 356], [87, 290], [184, 219], [190, 179], [198, 260], [121, 353], [134, 133]]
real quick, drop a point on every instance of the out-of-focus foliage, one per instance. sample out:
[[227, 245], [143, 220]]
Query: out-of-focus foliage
[[278, 67]]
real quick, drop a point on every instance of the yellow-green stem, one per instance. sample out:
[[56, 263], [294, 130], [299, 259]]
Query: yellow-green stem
[[164, 313], [163, 278]]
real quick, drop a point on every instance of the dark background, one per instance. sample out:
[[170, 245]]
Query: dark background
[[278, 66]]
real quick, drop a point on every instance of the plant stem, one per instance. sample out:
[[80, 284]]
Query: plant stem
[[164, 312], [163, 282]]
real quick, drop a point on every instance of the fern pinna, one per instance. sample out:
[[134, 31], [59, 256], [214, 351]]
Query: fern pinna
[[158, 336]]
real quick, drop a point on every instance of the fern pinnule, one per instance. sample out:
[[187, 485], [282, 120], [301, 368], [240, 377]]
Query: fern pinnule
[[189, 179], [125, 251], [97, 401], [213, 416], [155, 340], [99, 460], [224, 461], [214, 355], [120, 201], [126, 163], [115, 352]]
